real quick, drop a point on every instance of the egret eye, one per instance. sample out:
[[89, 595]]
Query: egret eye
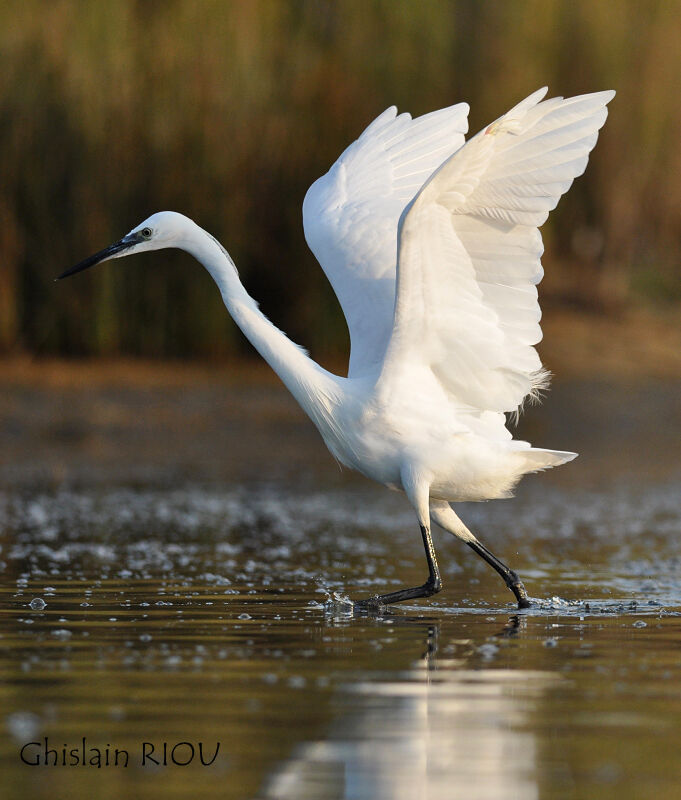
[[146, 233]]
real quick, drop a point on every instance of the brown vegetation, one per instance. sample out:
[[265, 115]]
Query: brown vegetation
[[227, 111]]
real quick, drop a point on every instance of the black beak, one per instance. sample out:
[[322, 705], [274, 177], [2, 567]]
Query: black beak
[[113, 249]]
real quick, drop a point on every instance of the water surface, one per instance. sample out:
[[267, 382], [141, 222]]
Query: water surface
[[176, 567]]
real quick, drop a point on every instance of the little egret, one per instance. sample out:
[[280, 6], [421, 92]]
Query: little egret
[[431, 244]]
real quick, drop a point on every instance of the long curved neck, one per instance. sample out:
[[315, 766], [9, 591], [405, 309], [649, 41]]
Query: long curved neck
[[312, 386]]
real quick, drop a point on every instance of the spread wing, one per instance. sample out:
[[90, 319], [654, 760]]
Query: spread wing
[[351, 215], [469, 253]]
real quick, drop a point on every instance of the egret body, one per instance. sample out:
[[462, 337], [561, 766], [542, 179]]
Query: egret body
[[432, 247]]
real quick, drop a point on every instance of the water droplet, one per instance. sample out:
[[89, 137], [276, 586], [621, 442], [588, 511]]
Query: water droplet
[[37, 604], [23, 725], [488, 651]]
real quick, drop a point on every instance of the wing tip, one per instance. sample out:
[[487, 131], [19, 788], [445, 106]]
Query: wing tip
[[521, 108], [384, 117], [535, 97]]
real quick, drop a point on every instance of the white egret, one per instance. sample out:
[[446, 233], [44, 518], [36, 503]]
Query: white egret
[[432, 247]]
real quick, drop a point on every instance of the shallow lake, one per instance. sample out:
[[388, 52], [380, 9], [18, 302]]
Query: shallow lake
[[177, 561]]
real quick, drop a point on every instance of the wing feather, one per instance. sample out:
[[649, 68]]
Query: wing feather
[[470, 249], [351, 215]]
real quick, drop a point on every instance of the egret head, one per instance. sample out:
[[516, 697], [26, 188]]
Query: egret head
[[163, 229]]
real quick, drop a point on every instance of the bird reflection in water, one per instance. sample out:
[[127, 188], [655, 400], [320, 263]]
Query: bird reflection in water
[[442, 730]]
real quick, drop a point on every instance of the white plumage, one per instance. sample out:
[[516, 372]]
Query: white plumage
[[433, 250], [350, 217]]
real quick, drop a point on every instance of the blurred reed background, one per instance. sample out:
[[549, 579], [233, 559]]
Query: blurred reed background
[[227, 111]]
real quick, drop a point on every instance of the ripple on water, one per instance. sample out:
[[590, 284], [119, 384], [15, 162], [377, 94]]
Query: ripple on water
[[229, 615]]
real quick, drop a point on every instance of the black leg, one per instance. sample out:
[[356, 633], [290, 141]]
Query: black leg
[[510, 577], [430, 587]]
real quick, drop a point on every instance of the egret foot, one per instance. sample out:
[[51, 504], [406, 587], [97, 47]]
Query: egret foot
[[432, 586], [518, 589]]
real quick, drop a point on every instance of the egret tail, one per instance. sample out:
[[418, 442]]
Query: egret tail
[[538, 459]]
